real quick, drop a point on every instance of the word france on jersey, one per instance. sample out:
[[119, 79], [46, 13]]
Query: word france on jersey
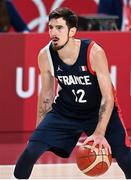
[[74, 80]]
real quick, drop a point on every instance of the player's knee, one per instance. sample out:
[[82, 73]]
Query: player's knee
[[22, 165], [27, 160]]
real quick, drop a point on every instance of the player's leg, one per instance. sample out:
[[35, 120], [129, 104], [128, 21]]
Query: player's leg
[[60, 133], [28, 158], [118, 140], [117, 137], [122, 155]]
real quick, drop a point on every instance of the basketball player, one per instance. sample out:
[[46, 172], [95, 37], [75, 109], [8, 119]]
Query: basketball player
[[85, 101]]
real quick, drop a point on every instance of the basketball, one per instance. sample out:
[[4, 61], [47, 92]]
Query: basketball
[[92, 163]]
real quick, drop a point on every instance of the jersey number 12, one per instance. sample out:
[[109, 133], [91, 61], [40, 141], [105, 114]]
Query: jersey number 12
[[79, 95]]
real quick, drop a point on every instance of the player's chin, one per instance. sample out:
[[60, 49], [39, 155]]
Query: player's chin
[[56, 47]]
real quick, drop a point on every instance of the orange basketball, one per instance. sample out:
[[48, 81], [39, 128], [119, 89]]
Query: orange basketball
[[92, 163]]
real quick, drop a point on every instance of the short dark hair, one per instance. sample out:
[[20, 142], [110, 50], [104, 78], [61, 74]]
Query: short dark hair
[[67, 14]]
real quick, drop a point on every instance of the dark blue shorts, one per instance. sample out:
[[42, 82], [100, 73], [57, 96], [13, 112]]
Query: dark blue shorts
[[62, 133]]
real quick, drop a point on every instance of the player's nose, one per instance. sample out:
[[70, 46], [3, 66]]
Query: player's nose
[[53, 32]]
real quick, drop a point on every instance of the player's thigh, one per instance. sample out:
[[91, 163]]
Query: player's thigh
[[58, 132]]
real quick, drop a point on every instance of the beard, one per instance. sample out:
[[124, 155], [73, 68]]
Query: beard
[[56, 48]]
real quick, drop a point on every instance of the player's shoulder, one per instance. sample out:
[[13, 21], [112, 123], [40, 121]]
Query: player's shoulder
[[95, 47], [92, 44], [97, 55], [43, 56], [44, 51]]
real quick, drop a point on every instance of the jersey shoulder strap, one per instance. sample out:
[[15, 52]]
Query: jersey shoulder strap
[[88, 57]]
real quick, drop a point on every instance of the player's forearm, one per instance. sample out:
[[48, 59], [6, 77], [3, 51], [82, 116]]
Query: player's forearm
[[44, 106], [104, 115]]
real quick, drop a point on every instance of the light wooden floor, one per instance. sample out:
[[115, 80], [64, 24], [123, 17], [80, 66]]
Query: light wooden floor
[[61, 171]]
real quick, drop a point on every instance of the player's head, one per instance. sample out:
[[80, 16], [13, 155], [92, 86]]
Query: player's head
[[62, 26]]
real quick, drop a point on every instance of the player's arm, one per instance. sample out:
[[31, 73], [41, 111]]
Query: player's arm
[[100, 66], [46, 95]]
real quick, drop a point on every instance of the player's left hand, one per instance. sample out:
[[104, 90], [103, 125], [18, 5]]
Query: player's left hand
[[98, 140]]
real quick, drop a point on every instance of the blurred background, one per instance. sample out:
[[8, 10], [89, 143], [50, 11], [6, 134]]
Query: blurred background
[[24, 31]]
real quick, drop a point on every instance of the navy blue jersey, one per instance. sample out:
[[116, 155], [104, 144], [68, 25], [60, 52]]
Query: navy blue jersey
[[79, 90]]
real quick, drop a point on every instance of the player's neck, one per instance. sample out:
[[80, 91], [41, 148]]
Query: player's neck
[[71, 50]]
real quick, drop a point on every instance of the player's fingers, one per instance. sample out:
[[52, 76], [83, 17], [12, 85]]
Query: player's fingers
[[84, 143], [93, 146], [87, 140], [100, 149], [109, 148], [106, 151]]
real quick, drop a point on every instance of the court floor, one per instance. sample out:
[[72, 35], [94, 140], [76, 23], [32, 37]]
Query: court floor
[[61, 171]]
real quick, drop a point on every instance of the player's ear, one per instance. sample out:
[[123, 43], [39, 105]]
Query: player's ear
[[72, 31]]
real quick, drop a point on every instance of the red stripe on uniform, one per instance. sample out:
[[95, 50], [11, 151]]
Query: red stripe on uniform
[[127, 142], [88, 58]]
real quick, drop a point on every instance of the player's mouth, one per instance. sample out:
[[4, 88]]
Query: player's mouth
[[55, 40]]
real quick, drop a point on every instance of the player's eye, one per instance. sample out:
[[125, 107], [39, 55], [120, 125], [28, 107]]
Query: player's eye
[[50, 27], [59, 27]]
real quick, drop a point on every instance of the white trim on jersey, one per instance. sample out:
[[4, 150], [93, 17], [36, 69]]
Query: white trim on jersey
[[50, 58], [57, 92]]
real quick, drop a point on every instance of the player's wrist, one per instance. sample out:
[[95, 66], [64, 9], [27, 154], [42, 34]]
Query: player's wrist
[[99, 133]]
